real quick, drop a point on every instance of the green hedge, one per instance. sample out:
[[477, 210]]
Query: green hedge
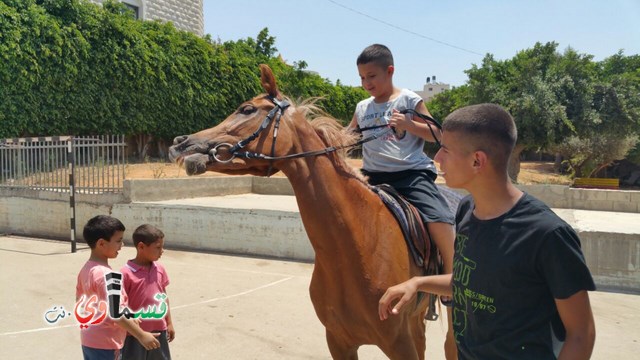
[[73, 67]]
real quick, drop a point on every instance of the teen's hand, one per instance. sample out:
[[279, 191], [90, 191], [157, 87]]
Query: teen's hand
[[404, 291]]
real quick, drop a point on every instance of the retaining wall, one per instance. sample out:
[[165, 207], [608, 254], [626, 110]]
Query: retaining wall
[[211, 217], [251, 224], [564, 197]]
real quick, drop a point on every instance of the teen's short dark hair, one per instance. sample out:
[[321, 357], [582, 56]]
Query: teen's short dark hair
[[490, 128], [377, 54], [147, 234], [101, 227]]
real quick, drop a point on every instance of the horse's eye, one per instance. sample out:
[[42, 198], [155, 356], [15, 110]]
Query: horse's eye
[[247, 110]]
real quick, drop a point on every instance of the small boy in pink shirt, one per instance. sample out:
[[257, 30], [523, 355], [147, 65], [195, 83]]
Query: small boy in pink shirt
[[145, 281], [103, 338]]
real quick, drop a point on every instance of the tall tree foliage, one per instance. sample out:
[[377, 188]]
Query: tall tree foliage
[[560, 102]]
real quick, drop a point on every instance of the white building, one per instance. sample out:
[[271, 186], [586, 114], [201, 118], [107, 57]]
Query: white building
[[184, 14], [432, 88]]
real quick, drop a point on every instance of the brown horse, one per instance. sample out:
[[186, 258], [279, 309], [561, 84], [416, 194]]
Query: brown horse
[[359, 249]]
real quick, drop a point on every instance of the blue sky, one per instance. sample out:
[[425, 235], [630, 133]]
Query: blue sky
[[427, 38]]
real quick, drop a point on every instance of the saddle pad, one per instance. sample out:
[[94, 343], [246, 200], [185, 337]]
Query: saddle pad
[[415, 235]]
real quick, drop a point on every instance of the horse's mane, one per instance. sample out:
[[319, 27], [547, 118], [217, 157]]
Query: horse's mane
[[329, 130]]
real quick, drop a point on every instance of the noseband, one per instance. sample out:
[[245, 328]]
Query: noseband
[[276, 113]]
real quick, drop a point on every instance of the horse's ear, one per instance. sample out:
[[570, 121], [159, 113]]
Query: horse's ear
[[269, 81]]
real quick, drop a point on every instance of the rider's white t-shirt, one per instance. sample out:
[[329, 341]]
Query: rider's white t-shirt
[[391, 153]]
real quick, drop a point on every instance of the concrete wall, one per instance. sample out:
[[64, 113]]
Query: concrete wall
[[48, 214], [610, 240], [273, 186], [614, 260], [270, 233], [564, 197], [166, 189]]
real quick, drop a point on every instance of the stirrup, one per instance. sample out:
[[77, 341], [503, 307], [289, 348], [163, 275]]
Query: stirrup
[[431, 314]]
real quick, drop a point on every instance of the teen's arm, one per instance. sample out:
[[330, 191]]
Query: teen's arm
[[435, 284], [147, 340], [575, 313], [416, 125]]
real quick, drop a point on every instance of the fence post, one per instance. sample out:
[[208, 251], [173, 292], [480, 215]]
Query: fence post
[[72, 192]]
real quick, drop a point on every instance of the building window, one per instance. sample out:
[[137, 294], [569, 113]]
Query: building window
[[135, 9], [430, 89]]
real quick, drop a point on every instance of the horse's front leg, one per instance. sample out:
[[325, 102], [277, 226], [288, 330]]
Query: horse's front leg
[[340, 349], [407, 344]]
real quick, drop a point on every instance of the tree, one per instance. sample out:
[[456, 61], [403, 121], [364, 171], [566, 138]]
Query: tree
[[611, 131], [555, 97], [265, 44], [446, 102], [526, 87], [587, 156]]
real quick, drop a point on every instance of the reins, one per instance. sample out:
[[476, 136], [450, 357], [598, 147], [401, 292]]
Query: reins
[[426, 118], [276, 113]]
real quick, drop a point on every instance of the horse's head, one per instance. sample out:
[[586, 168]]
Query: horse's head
[[223, 148]]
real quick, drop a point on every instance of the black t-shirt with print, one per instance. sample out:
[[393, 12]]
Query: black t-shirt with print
[[507, 272]]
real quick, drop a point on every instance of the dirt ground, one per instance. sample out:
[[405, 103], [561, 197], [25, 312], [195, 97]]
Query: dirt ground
[[540, 172], [530, 172]]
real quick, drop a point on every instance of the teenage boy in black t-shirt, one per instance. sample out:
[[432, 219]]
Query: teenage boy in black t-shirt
[[520, 281]]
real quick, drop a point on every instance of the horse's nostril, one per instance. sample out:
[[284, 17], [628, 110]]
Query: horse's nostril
[[178, 139]]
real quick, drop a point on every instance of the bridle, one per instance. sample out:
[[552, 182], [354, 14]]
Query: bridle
[[276, 114]]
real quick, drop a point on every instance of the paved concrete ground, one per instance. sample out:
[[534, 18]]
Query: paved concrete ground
[[224, 307]]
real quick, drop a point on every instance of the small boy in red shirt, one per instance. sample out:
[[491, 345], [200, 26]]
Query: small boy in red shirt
[[145, 281]]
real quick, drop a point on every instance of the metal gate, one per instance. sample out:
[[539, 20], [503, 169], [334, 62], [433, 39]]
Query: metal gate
[[73, 164]]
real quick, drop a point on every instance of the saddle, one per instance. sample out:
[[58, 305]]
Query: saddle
[[419, 242]]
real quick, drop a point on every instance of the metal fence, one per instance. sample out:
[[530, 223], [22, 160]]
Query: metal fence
[[73, 164], [97, 163]]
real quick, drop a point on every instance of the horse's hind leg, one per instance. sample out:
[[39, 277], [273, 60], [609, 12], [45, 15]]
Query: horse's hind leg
[[341, 349]]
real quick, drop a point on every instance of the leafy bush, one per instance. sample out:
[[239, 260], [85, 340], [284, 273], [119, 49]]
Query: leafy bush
[[73, 67]]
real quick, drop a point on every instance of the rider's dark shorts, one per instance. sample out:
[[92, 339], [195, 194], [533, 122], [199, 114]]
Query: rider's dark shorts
[[418, 187]]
